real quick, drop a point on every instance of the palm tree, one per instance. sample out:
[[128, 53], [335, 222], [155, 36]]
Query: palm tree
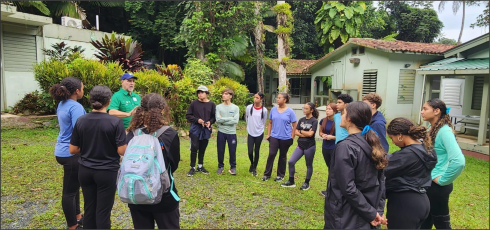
[[63, 8], [456, 6]]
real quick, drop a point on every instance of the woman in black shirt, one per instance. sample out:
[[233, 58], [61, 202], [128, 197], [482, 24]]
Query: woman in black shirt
[[100, 139], [151, 116], [305, 130], [408, 175]]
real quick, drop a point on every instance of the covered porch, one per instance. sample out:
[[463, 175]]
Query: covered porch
[[463, 85]]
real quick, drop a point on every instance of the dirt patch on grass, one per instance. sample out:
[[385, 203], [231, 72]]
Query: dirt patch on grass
[[19, 212]]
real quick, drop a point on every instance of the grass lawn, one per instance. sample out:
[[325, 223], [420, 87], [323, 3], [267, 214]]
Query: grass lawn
[[31, 183]]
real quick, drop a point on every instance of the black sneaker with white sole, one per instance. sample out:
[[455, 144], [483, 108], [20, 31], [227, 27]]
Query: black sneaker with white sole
[[305, 186], [202, 170], [264, 178], [288, 184], [191, 172], [277, 179], [324, 193]]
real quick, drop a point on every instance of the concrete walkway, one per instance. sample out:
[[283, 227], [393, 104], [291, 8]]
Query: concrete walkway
[[7, 115]]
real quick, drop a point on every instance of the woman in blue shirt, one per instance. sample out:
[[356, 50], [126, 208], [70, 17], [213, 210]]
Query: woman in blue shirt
[[450, 163], [280, 134], [69, 110]]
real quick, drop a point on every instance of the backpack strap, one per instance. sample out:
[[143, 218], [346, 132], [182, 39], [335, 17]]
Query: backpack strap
[[176, 197], [161, 130]]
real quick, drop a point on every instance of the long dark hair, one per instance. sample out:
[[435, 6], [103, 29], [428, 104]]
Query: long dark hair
[[66, 88], [314, 113], [443, 119], [324, 123], [261, 95], [403, 126], [100, 96], [149, 113], [359, 113]]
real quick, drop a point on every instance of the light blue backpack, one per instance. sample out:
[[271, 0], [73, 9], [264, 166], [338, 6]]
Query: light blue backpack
[[143, 177]]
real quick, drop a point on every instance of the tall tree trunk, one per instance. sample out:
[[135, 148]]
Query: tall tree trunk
[[462, 25], [259, 47], [281, 53], [200, 51]]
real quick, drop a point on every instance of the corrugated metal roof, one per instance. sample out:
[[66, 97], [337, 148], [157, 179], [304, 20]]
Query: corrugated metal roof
[[466, 64], [444, 61]]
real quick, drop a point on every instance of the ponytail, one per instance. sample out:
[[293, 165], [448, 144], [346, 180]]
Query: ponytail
[[378, 154], [404, 126], [314, 111], [64, 90]]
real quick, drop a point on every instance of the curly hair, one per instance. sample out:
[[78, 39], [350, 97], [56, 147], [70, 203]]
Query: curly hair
[[403, 126], [149, 114], [373, 98], [360, 115], [443, 119], [346, 98], [66, 88]]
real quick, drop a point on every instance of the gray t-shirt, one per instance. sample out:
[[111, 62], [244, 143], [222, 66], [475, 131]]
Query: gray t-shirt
[[227, 117], [256, 120]]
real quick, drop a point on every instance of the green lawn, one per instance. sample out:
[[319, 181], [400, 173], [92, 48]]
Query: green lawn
[[31, 189]]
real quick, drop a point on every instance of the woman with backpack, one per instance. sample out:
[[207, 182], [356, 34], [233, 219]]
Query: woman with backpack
[[305, 131], [281, 129], [450, 163], [100, 139], [255, 116], [69, 110], [327, 133], [150, 117], [355, 186], [408, 175]]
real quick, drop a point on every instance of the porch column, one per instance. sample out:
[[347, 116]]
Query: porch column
[[482, 129], [312, 89]]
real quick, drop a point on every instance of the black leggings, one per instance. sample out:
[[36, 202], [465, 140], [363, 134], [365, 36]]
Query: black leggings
[[406, 210], [309, 154], [439, 207], [146, 220], [283, 147], [327, 155], [197, 145], [70, 201], [251, 143], [99, 189]]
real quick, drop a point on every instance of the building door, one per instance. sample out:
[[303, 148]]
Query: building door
[[452, 92], [337, 76]]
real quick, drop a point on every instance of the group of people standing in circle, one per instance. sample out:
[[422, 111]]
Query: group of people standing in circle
[[416, 180]]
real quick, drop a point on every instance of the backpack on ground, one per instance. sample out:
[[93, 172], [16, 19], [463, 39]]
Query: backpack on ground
[[143, 177]]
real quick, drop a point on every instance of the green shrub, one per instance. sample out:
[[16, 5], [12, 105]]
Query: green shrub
[[36, 103], [48, 73], [93, 73], [241, 97], [198, 72], [150, 81], [180, 97]]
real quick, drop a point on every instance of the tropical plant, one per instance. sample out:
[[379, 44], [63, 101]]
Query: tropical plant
[[198, 72], [119, 49], [183, 92], [456, 6], [337, 21], [62, 52], [240, 98], [39, 5], [483, 19], [37, 103], [150, 81], [173, 72]]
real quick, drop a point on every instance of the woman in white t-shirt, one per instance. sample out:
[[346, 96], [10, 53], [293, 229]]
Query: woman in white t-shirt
[[255, 116]]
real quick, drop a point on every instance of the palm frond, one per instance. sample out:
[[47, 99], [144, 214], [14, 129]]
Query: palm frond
[[240, 45], [269, 28], [233, 71], [107, 3]]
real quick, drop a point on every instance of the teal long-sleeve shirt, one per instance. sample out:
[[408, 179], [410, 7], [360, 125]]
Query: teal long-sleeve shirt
[[227, 117], [450, 159]]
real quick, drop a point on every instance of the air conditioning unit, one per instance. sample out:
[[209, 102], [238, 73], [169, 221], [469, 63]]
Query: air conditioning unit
[[71, 22]]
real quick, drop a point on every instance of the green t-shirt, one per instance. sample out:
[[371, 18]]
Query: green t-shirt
[[227, 117], [122, 101]]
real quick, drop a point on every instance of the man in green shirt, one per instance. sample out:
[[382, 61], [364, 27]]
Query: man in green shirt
[[124, 102], [227, 115]]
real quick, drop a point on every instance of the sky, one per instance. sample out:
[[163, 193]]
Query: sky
[[452, 22]]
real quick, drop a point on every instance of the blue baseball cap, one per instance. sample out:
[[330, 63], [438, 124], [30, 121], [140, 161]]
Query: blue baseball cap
[[127, 76]]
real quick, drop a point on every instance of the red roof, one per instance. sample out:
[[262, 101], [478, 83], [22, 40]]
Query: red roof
[[392, 46], [293, 66]]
